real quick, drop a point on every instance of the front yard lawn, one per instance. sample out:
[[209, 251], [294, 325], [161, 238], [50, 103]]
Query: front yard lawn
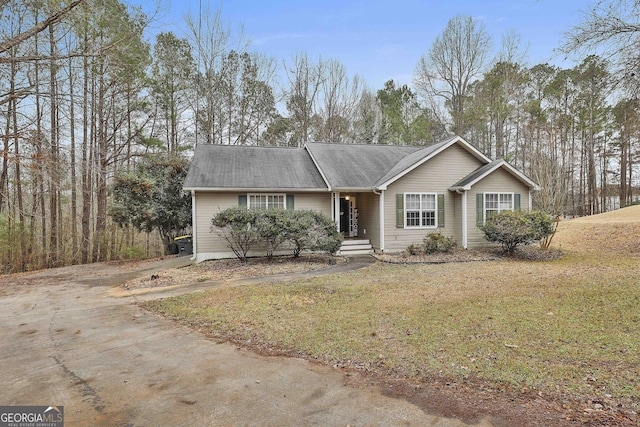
[[565, 327]]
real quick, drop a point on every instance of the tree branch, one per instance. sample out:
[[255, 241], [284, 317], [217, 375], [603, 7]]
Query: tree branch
[[5, 46]]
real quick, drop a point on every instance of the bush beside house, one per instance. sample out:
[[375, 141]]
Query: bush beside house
[[245, 229]]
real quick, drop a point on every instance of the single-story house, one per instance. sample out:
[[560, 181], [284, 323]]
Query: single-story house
[[385, 197]]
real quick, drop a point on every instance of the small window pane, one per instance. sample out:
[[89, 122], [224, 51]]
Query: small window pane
[[276, 202], [413, 201], [257, 201], [505, 201], [413, 219], [428, 201], [492, 201], [428, 218]]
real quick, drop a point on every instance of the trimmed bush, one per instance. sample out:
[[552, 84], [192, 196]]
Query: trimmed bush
[[438, 243], [243, 229], [513, 228], [237, 226], [310, 230]]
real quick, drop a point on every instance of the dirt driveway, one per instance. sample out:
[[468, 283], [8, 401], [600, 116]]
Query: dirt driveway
[[66, 340]]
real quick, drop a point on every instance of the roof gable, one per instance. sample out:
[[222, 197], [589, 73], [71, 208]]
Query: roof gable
[[413, 161], [479, 174]]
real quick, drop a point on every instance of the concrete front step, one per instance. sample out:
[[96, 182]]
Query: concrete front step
[[362, 246], [359, 252], [356, 247]]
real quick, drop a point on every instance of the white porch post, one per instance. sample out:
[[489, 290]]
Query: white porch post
[[336, 209], [381, 207], [194, 226], [465, 219]]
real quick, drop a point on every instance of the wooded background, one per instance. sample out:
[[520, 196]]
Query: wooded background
[[85, 95]]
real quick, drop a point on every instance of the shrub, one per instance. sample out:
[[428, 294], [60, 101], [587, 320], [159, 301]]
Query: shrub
[[413, 249], [512, 228], [132, 252], [243, 228], [271, 226], [237, 226], [438, 243], [310, 230], [544, 227]]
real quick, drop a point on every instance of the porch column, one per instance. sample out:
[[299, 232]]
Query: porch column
[[336, 209], [465, 219], [381, 224], [194, 227]]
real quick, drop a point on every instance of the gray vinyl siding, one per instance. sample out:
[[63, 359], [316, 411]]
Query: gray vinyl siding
[[434, 176], [209, 203], [369, 218], [500, 181]]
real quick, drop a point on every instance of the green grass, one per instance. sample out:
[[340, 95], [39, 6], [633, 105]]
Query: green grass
[[565, 326]]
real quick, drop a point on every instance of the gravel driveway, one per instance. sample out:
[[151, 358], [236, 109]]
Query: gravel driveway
[[66, 340]]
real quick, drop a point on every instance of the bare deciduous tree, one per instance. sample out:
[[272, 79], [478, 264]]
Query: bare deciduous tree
[[455, 59]]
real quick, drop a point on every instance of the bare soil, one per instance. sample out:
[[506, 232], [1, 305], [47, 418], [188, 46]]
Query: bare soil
[[229, 269]]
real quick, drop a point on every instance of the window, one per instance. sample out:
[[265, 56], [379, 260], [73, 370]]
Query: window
[[497, 202], [420, 210], [266, 201]]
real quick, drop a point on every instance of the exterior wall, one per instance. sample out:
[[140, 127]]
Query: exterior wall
[[369, 218], [436, 175], [208, 245], [500, 181]]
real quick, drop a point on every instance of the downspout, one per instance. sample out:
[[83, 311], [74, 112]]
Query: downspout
[[381, 220], [464, 217], [194, 227]]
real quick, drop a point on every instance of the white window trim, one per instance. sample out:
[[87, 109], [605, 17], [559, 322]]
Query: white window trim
[[484, 201], [421, 227], [283, 195]]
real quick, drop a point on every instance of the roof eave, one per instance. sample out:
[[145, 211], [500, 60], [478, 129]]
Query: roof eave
[[255, 189]]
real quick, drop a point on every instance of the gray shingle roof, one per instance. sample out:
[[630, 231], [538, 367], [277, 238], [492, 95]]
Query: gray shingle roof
[[482, 171], [320, 166], [250, 167], [357, 166], [475, 174]]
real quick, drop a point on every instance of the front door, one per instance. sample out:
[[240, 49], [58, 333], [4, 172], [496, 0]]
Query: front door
[[348, 217]]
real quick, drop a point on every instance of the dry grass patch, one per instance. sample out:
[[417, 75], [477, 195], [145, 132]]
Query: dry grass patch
[[229, 269], [566, 329]]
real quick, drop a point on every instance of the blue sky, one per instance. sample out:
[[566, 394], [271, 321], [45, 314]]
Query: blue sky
[[380, 40]]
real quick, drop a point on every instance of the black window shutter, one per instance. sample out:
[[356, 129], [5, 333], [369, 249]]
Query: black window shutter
[[242, 200], [290, 202]]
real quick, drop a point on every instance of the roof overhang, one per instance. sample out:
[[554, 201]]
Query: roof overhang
[[353, 189], [255, 190]]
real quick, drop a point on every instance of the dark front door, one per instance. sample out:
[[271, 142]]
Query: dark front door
[[344, 216]]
